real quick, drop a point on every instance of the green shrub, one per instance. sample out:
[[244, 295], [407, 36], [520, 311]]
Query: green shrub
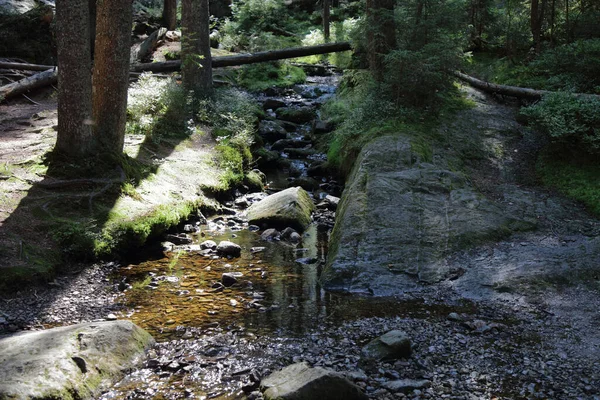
[[573, 123], [258, 77], [157, 108]]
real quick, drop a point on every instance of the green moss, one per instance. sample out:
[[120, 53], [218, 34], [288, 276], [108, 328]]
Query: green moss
[[578, 179]]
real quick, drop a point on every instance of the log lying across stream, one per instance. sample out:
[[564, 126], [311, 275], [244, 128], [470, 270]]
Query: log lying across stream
[[50, 74]]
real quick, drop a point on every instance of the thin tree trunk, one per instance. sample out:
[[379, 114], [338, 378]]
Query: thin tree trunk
[[111, 72], [326, 14], [536, 28], [195, 47], [170, 14], [381, 34], [92, 18], [75, 135]]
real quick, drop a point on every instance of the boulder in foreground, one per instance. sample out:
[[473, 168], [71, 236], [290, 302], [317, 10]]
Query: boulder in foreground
[[394, 344], [76, 361], [301, 382], [290, 207]]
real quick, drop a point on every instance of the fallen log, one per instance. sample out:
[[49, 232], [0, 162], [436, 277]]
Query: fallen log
[[33, 82], [50, 76], [145, 48], [251, 58], [512, 91]]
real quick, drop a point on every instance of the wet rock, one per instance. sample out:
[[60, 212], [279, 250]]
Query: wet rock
[[179, 239], [332, 201], [406, 385], [301, 382], [298, 115], [289, 143], [76, 359], [271, 131], [271, 234], [307, 260], [290, 207], [227, 248], [293, 152], [230, 278], [208, 244], [255, 180], [305, 182], [320, 127], [392, 345], [273, 104], [253, 228], [254, 250]]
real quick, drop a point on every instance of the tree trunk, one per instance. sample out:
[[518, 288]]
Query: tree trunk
[[536, 25], [75, 135], [92, 18], [326, 12], [111, 72], [170, 14], [195, 47], [381, 34]]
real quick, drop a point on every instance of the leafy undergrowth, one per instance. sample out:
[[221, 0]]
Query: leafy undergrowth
[[259, 77], [578, 179]]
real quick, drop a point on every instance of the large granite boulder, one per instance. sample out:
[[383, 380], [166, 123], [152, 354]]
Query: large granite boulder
[[400, 220], [297, 115], [291, 207], [301, 382], [75, 361]]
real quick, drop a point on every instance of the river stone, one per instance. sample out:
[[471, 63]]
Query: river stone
[[77, 361], [273, 104], [16, 6], [230, 278], [208, 244], [255, 180], [271, 131], [271, 234], [406, 385], [394, 344], [301, 382], [227, 248], [297, 115], [420, 212], [290, 207]]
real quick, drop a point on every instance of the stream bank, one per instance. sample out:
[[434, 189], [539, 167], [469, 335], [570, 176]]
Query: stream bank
[[505, 346]]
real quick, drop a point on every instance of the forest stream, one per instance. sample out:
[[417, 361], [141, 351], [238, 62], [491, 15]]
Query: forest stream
[[218, 338]]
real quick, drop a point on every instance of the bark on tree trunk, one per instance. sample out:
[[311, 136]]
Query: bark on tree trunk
[[326, 12], [536, 25], [170, 14], [75, 135], [381, 34], [111, 72], [195, 47]]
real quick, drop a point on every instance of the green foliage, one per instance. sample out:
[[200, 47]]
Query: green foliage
[[258, 77], [233, 116], [573, 123], [341, 31], [576, 178], [157, 108], [76, 238]]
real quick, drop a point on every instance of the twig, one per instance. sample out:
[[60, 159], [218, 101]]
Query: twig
[[34, 102]]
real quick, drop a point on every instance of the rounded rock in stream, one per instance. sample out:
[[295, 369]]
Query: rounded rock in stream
[[230, 278], [227, 248], [208, 244]]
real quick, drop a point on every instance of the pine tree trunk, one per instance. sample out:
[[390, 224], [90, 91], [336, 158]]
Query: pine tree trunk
[[381, 34], [111, 72], [326, 14], [170, 14], [75, 136], [536, 26], [196, 64]]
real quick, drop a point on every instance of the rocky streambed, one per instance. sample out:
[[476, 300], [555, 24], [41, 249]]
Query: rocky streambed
[[232, 299]]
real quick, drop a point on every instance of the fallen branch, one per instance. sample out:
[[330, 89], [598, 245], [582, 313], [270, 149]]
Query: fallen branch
[[513, 91], [33, 82], [24, 66], [144, 49]]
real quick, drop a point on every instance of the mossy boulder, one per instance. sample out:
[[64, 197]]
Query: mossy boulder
[[297, 115], [70, 362], [255, 180], [289, 208]]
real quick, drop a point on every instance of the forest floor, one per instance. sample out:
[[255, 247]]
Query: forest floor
[[40, 214]]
